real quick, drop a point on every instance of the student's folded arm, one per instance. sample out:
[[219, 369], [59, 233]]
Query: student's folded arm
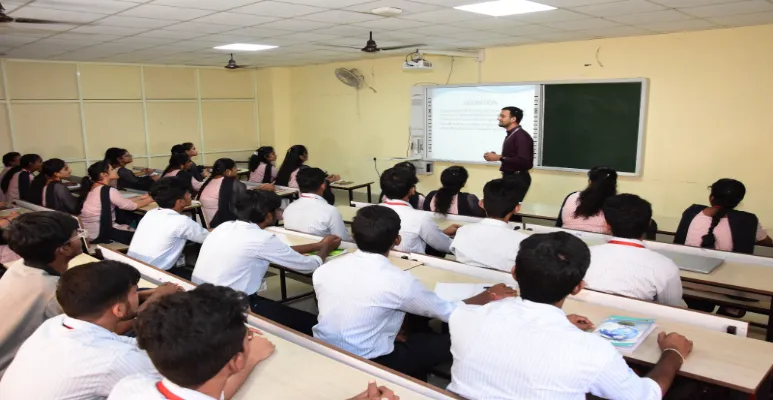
[[338, 227], [616, 380], [433, 236], [416, 299], [193, 231], [671, 292], [279, 253]]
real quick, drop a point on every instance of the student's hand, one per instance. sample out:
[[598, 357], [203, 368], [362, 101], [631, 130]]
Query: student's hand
[[155, 177], [12, 215], [675, 341], [501, 291], [269, 187], [582, 323], [260, 349], [206, 173], [451, 230], [142, 198], [148, 171], [165, 289], [330, 243], [491, 156], [374, 392]]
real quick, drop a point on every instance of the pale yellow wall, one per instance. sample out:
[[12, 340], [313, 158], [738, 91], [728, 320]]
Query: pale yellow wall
[[708, 116], [75, 111]]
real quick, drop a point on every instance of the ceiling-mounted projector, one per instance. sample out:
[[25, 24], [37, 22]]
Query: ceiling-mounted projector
[[416, 61]]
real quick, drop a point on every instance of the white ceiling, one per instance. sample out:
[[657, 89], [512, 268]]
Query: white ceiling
[[184, 31]]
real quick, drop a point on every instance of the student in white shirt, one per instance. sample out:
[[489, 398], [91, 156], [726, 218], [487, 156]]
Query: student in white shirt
[[162, 233], [418, 231], [363, 300], [625, 266], [209, 362], [79, 356], [492, 243], [237, 254], [311, 213], [46, 241], [527, 348]]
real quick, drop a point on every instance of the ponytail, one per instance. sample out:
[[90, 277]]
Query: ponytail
[[291, 162], [218, 169], [176, 161], [603, 185], [94, 175], [26, 161], [261, 156], [453, 180], [726, 194]]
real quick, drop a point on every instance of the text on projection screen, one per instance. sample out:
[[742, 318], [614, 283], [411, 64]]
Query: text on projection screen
[[464, 119]]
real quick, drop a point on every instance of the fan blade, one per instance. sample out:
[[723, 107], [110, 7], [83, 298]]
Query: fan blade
[[341, 47], [42, 21], [407, 46]]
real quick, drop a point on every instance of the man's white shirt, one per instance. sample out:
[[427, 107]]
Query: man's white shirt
[[312, 214], [417, 229], [489, 243], [161, 235]]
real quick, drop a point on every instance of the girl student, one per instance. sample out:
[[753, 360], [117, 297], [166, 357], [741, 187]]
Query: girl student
[[47, 189], [119, 158], [16, 182], [582, 210], [295, 160], [261, 166], [179, 166], [219, 192], [450, 199]]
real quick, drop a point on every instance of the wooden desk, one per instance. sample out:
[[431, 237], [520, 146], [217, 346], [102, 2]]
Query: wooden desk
[[20, 210], [352, 187], [85, 259], [731, 361]]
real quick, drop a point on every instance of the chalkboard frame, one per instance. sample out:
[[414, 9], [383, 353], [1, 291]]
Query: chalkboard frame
[[540, 138]]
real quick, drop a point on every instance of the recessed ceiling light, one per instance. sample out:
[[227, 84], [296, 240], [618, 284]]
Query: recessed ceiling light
[[245, 47], [501, 8]]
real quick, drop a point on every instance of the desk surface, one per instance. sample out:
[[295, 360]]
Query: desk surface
[[735, 275], [85, 259], [727, 360], [350, 186], [401, 263], [20, 210], [152, 206]]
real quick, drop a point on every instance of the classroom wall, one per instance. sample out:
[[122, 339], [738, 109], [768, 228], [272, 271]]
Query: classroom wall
[[708, 112], [75, 111]]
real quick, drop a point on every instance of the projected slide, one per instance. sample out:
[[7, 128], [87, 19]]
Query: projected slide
[[464, 119]]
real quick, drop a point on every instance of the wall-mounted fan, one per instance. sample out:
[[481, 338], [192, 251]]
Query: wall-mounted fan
[[352, 77], [372, 47]]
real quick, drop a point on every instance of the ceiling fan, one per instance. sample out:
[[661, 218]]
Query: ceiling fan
[[6, 19], [372, 47], [233, 65]]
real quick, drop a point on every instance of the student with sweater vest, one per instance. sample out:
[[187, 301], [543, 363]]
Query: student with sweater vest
[[720, 226], [220, 191], [120, 159], [450, 199], [47, 189], [10, 160], [16, 182]]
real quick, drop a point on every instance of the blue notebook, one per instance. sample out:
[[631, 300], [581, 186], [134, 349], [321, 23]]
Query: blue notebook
[[625, 333]]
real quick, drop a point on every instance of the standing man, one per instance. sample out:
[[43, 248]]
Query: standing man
[[518, 149]]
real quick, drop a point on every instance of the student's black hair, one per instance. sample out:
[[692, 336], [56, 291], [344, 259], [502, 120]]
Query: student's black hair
[[91, 289], [176, 149], [406, 164], [310, 179], [453, 179], [114, 154], [397, 182], [515, 112], [726, 194], [47, 171], [603, 185], [93, 175], [255, 206], [628, 215], [291, 162], [375, 229], [35, 237], [218, 169], [501, 196], [549, 266], [187, 146], [26, 161], [261, 156], [166, 191], [8, 158], [176, 161], [205, 326]]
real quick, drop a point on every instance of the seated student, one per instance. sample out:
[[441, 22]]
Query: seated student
[[219, 192], [46, 241], [16, 182], [311, 213], [179, 165], [295, 160], [261, 166], [119, 159], [10, 160], [196, 171], [417, 229], [162, 233], [527, 348], [47, 189], [450, 199], [365, 319], [7, 255], [582, 210], [80, 355], [720, 226], [237, 254], [207, 363], [492, 243], [417, 199], [98, 205], [625, 266]]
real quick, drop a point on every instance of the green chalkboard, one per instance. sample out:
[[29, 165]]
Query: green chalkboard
[[591, 124]]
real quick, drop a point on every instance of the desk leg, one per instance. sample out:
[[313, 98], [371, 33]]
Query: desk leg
[[283, 284], [370, 200], [351, 195], [769, 333]]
